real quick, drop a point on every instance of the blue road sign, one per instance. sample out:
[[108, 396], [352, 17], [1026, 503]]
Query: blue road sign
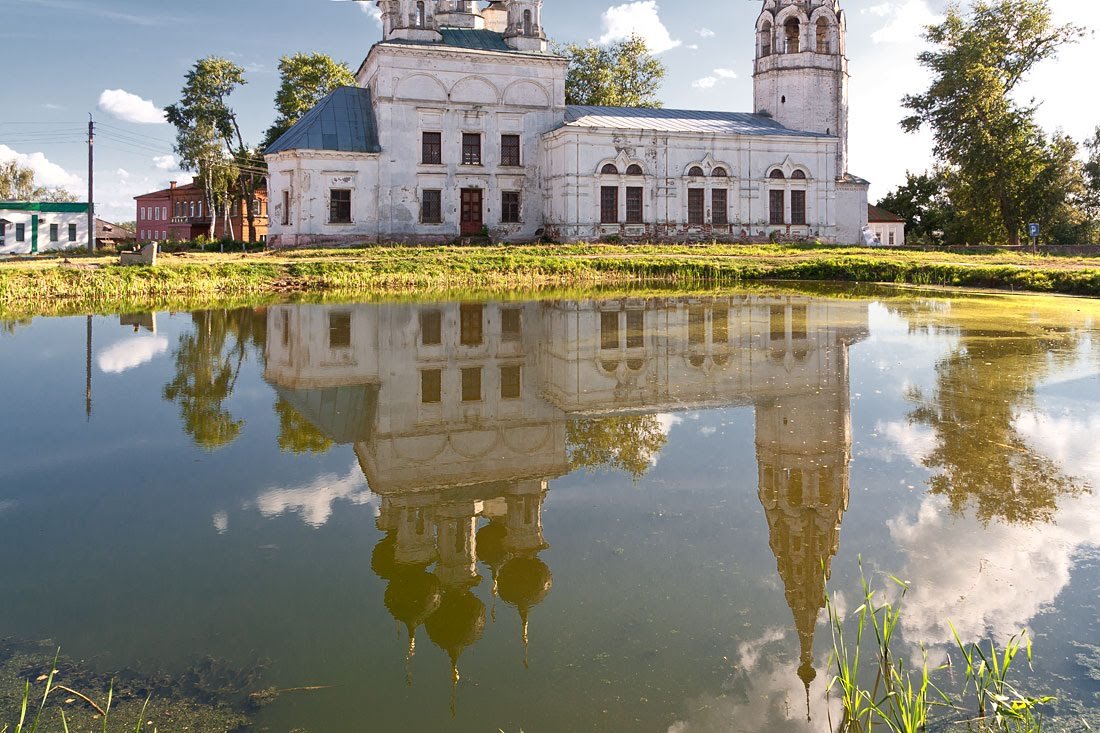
[[1032, 230]]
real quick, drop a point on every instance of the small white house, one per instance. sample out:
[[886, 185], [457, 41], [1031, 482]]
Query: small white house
[[888, 228], [29, 227]]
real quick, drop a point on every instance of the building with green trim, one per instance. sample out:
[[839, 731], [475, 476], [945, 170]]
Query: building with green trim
[[30, 227]]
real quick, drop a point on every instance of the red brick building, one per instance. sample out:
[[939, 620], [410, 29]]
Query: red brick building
[[180, 213]]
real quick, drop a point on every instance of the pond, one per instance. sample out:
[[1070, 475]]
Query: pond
[[578, 514]]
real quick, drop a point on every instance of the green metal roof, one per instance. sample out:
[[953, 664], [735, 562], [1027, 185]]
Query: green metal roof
[[56, 207], [474, 39], [343, 121], [344, 414]]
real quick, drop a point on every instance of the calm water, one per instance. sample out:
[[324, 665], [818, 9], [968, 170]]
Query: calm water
[[565, 515]]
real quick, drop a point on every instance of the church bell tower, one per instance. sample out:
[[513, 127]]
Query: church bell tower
[[800, 77]]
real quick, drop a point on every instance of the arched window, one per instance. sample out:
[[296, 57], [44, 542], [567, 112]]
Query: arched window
[[527, 23], [420, 18], [792, 30], [766, 39], [718, 172], [822, 35], [634, 170], [776, 175], [609, 169], [798, 176], [695, 171]]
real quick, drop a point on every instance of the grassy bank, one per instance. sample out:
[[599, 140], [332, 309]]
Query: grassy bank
[[82, 282]]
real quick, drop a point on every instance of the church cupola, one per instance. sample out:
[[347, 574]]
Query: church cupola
[[800, 77], [409, 20], [460, 14], [524, 31]]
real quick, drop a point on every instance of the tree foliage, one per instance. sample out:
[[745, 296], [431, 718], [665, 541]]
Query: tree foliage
[[17, 183], [924, 204], [204, 120], [627, 442], [992, 141], [296, 433], [306, 79], [623, 74]]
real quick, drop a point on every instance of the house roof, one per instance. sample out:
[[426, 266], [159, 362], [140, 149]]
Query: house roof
[[343, 121], [164, 192], [56, 207], [345, 414], [471, 39], [678, 120], [876, 214]]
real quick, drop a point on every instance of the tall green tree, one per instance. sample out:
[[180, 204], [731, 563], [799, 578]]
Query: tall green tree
[[204, 105], [628, 442], [17, 183], [624, 74], [977, 62], [306, 79], [1057, 197], [1091, 198], [924, 204]]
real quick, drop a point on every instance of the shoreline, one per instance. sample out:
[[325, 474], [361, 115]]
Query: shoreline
[[75, 283]]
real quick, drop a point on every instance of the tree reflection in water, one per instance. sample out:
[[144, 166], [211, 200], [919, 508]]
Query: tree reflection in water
[[981, 460]]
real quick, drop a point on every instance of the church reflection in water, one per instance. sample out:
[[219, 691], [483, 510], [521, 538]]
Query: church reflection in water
[[460, 415]]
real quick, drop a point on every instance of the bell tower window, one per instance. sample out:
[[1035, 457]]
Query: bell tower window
[[792, 29], [420, 16], [527, 23], [766, 39], [822, 36]]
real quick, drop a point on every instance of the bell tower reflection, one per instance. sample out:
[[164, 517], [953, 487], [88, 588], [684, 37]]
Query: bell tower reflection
[[803, 447]]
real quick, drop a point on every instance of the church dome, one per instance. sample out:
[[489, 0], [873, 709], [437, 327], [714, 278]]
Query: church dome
[[412, 596], [382, 560], [457, 624], [524, 582]]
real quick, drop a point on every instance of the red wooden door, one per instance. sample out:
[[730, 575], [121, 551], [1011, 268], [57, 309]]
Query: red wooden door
[[471, 221]]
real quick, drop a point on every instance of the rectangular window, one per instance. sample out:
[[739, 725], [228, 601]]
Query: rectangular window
[[510, 324], [3, 230], [635, 329], [20, 232], [634, 205], [339, 206], [339, 330], [609, 330], [55, 232], [697, 326], [778, 326], [471, 384], [144, 211], [471, 148], [431, 386], [470, 325], [257, 207], [431, 207], [719, 211], [892, 240], [720, 326], [192, 209], [431, 328], [431, 148], [609, 204], [176, 209], [696, 206], [798, 207], [286, 208], [509, 382], [798, 322], [776, 203], [509, 207], [509, 149], [200, 209]]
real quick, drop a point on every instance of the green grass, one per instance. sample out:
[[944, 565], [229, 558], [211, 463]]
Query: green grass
[[32, 285]]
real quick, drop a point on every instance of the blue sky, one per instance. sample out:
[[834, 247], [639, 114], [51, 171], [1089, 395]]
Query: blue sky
[[124, 60]]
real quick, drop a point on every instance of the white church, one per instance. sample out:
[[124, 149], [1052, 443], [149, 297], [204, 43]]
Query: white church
[[458, 127]]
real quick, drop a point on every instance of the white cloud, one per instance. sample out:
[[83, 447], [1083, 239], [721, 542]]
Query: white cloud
[[709, 81], [905, 23], [915, 442], [373, 11], [991, 581], [221, 522], [706, 82], [705, 33], [45, 172], [131, 353], [313, 501], [637, 18], [166, 163], [665, 422], [725, 73], [128, 107], [122, 173]]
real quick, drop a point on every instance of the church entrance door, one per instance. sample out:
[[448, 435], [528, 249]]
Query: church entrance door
[[471, 221]]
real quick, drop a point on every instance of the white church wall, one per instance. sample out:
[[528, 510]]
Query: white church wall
[[300, 186], [575, 156], [851, 212]]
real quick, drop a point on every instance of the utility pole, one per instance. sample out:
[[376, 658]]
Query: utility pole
[[91, 189], [88, 371]]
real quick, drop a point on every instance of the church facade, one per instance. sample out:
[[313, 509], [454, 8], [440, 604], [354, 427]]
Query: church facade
[[458, 127]]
